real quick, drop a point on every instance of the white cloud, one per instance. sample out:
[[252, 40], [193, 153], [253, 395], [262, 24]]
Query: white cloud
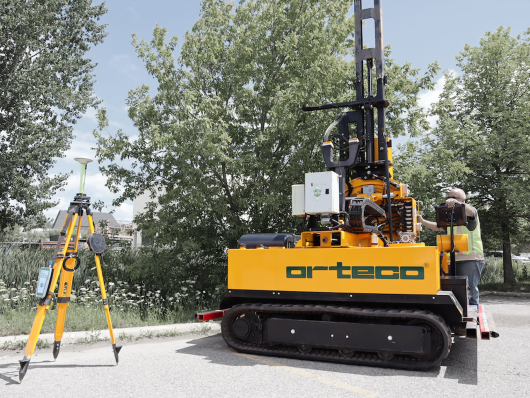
[[94, 184], [63, 205], [133, 138], [427, 98], [91, 114], [81, 146], [124, 212]]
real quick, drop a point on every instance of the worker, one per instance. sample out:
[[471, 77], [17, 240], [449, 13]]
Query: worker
[[471, 262]]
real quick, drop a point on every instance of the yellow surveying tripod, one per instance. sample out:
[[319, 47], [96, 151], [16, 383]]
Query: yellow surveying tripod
[[66, 259]]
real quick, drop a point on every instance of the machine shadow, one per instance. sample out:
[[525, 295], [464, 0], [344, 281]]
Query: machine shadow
[[11, 376], [461, 364]]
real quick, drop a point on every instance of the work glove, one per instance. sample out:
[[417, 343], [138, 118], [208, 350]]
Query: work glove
[[451, 202]]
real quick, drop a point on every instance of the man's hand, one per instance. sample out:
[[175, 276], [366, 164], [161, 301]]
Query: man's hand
[[451, 202], [428, 224]]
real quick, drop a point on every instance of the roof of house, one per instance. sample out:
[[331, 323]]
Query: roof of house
[[96, 216]]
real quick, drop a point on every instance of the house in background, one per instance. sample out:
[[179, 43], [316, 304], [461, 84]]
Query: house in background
[[105, 223], [108, 220]]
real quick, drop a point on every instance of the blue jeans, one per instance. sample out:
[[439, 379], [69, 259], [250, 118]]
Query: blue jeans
[[472, 269]]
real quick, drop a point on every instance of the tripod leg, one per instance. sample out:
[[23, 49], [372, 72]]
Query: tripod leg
[[32, 340], [65, 289], [44, 305], [63, 301], [36, 328], [97, 253], [115, 349]]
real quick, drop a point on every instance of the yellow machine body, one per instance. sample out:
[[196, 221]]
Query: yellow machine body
[[403, 269], [344, 262], [443, 242]]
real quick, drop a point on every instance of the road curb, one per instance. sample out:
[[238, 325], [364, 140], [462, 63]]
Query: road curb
[[505, 294], [124, 334]]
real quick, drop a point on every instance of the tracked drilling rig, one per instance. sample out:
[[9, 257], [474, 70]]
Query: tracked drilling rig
[[356, 286]]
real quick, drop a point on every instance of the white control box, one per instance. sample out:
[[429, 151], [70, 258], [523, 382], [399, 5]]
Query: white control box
[[322, 193], [298, 200]]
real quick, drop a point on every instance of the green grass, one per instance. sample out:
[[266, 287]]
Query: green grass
[[21, 344], [81, 318]]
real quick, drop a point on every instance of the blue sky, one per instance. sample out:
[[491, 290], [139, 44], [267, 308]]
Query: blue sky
[[419, 32]]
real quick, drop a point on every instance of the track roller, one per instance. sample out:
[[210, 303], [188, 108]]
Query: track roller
[[396, 338]]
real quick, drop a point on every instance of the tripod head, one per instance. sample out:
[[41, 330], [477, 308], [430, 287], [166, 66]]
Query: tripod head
[[81, 201]]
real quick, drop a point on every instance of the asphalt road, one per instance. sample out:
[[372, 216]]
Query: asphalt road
[[203, 366]]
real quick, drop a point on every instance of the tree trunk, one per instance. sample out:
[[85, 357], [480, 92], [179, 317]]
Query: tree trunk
[[509, 276]]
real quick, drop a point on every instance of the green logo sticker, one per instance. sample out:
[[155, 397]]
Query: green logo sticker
[[316, 193]]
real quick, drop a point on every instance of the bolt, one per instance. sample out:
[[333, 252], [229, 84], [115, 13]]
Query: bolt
[[331, 335], [347, 336], [389, 337], [292, 331]]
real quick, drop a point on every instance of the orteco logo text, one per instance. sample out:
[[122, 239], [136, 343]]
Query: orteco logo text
[[358, 272]]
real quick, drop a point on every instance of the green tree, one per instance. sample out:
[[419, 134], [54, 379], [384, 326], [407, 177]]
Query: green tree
[[224, 138], [482, 140], [45, 86]]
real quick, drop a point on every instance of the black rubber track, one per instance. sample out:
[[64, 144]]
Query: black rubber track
[[399, 361]]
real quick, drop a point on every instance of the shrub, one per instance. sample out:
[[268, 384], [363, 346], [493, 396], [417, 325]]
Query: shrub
[[493, 271], [145, 279]]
